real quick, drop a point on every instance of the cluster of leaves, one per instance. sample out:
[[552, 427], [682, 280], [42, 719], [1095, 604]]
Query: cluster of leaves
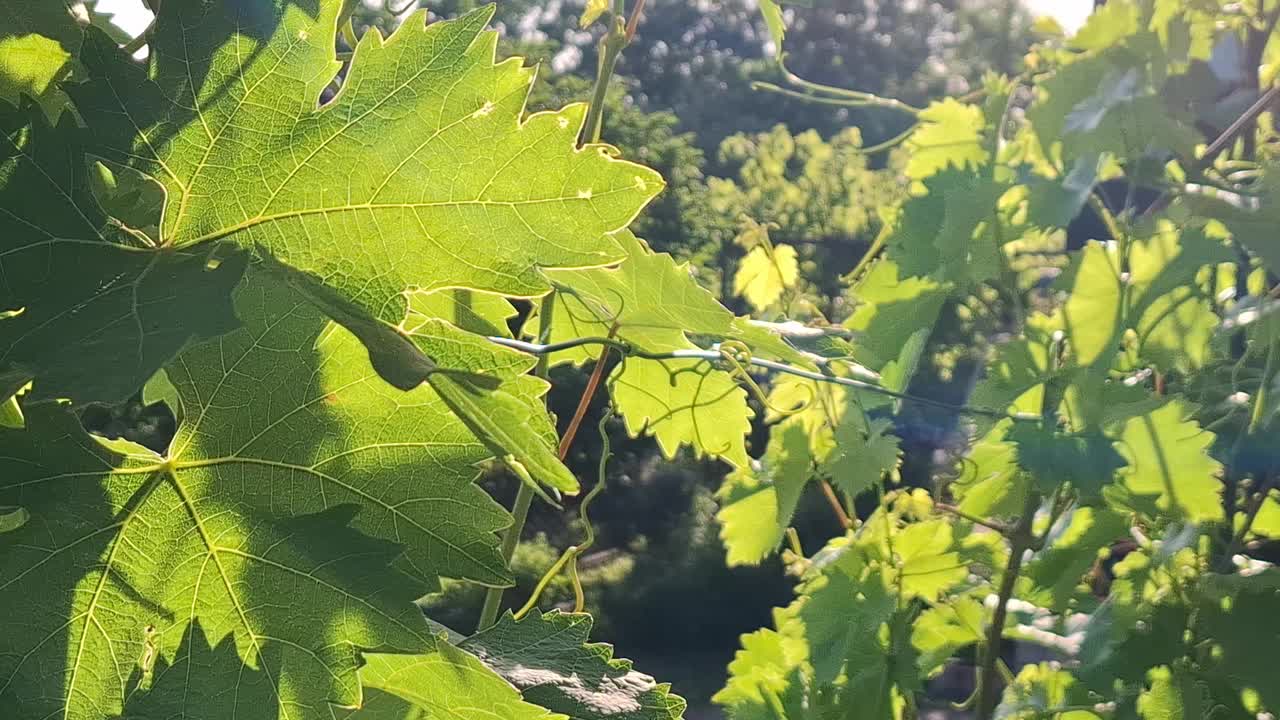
[[312, 262], [280, 265], [1117, 495]]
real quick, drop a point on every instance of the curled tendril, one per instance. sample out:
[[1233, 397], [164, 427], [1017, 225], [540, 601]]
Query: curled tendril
[[608, 318], [737, 356], [570, 556]]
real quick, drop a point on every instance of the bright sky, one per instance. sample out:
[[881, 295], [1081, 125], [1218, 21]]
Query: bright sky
[[133, 17]]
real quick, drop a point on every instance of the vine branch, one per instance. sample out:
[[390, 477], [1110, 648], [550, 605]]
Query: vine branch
[[714, 355]]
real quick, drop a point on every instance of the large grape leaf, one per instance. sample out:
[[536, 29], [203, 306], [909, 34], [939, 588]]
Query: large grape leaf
[[304, 503], [950, 134], [416, 175], [547, 656], [71, 273], [445, 682]]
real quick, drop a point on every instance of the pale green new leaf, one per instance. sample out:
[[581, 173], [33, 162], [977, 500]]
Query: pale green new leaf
[[1055, 572], [946, 628], [684, 402], [765, 274], [890, 309], [38, 45], [480, 313], [766, 678], [650, 301], [296, 473], [949, 135], [1091, 316], [547, 657], [757, 502], [1172, 694], [415, 176], [1169, 464]]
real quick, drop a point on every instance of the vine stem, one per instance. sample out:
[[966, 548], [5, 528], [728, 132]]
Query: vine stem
[[1020, 540], [611, 47], [524, 493], [716, 356]]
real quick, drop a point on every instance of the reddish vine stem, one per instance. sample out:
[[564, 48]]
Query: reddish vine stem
[[841, 516], [581, 411], [1020, 540]]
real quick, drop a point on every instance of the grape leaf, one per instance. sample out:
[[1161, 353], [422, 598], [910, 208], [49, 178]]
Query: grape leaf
[[38, 46], [444, 682], [684, 402], [1172, 694], [765, 274], [293, 471], [890, 308], [1241, 619], [949, 135], [1087, 460], [547, 657], [938, 234], [766, 678], [421, 154], [1106, 26], [1055, 572], [841, 608], [649, 300], [990, 482], [480, 313], [1169, 463], [863, 454], [1091, 315], [756, 503], [942, 630], [71, 272]]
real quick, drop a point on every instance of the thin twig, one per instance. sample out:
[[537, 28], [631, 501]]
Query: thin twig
[[841, 516]]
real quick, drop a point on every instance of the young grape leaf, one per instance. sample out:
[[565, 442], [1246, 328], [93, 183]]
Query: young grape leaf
[[756, 504], [890, 308], [1172, 694], [765, 274], [548, 658], [1087, 460], [443, 682], [479, 313], [1055, 572], [1091, 315], [946, 628], [863, 454], [73, 273], [293, 469], [649, 301], [684, 402], [841, 608], [1169, 464], [38, 46], [421, 154], [990, 482], [766, 678], [1239, 615], [950, 134], [943, 234]]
